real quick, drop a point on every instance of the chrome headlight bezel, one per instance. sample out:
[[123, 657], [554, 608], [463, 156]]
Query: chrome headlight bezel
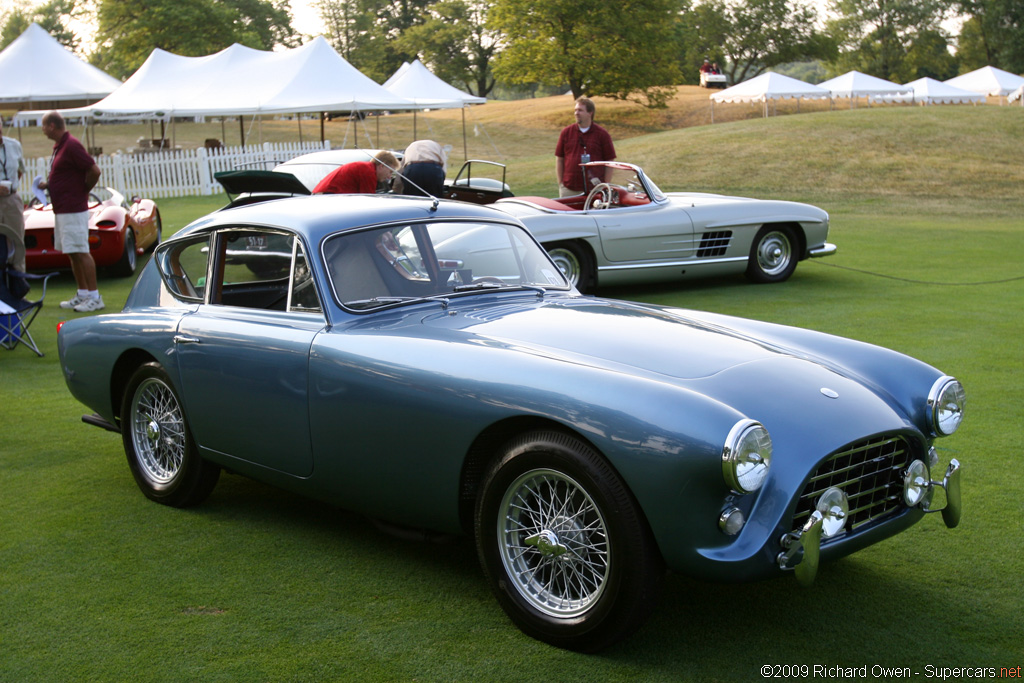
[[946, 401], [746, 456]]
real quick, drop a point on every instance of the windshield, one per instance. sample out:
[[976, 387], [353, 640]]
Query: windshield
[[412, 262]]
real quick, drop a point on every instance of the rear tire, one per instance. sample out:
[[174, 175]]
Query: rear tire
[[575, 262], [562, 541], [126, 265], [161, 453]]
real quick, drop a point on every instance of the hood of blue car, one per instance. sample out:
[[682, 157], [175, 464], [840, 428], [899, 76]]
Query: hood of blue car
[[606, 333]]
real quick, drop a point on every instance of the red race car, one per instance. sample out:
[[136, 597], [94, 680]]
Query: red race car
[[118, 232]]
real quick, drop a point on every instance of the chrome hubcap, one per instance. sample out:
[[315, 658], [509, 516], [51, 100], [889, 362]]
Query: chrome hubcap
[[774, 253], [157, 431], [567, 263], [554, 543]]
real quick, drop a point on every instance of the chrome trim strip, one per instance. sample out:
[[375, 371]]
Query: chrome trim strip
[[674, 264]]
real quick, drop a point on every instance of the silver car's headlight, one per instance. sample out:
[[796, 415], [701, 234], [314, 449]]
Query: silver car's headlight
[[946, 402], [746, 457]]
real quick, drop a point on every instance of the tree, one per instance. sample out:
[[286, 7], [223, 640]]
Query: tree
[[132, 29], [996, 30], [702, 33], [875, 36], [621, 50], [54, 17], [367, 32], [766, 33], [455, 43]]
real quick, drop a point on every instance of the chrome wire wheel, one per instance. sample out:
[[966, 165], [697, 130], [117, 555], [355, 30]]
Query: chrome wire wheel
[[157, 431], [774, 253], [568, 263], [553, 542]]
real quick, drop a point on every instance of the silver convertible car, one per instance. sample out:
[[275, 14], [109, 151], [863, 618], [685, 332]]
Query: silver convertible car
[[585, 444], [626, 230]]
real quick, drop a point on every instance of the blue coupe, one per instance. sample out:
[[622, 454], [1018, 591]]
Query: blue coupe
[[425, 363]]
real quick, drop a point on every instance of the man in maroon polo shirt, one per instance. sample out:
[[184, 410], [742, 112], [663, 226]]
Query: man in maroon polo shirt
[[581, 143], [73, 173]]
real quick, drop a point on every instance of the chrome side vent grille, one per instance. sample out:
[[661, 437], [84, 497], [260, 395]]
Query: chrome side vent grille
[[714, 243], [869, 472]]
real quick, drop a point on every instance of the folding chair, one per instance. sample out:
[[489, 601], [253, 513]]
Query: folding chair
[[16, 312]]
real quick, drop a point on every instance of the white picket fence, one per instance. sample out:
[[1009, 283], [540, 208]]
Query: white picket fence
[[183, 172]]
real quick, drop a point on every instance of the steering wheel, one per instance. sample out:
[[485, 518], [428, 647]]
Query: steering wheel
[[608, 197]]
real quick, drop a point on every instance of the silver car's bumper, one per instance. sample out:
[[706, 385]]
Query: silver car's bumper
[[826, 249]]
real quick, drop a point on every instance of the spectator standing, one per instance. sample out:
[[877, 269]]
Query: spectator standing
[[73, 174], [581, 143], [12, 167], [423, 170], [359, 177]]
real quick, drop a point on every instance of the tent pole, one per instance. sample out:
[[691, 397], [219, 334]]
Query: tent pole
[[377, 138], [241, 129], [414, 125], [298, 119], [465, 145], [322, 117]]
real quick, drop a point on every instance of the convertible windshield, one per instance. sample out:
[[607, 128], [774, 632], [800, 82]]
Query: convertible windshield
[[412, 262]]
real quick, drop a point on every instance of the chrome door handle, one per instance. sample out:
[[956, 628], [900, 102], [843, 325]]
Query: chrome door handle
[[182, 339]]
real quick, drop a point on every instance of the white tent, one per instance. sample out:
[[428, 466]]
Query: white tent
[[36, 68], [415, 82], [987, 80], [1018, 94], [855, 84], [242, 81], [931, 91], [768, 86]]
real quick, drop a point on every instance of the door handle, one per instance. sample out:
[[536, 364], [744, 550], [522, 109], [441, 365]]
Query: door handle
[[182, 339]]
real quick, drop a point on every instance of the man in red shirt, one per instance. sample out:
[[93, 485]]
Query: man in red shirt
[[359, 177], [580, 143], [73, 174]]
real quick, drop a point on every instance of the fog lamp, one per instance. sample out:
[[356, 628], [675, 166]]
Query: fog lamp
[[915, 483], [834, 508], [731, 521]]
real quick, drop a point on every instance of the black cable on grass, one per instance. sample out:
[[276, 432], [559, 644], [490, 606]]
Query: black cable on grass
[[920, 282]]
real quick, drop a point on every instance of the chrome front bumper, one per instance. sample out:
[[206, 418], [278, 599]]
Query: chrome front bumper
[[826, 249], [801, 550]]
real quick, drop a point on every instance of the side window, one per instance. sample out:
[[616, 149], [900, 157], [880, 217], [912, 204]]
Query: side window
[[183, 266], [252, 269], [303, 295]]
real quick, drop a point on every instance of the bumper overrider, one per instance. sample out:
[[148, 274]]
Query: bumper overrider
[[855, 491], [802, 548]]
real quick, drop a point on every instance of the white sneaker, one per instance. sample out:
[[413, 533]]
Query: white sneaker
[[89, 305], [73, 301]]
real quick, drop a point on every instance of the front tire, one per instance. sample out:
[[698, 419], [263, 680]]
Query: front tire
[[126, 265], [575, 262], [158, 443], [567, 552], [773, 256]]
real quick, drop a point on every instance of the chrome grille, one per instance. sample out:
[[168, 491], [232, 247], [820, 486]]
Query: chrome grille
[[871, 474], [714, 243]]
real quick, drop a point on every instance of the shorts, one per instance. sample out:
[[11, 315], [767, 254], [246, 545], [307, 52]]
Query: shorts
[[71, 232]]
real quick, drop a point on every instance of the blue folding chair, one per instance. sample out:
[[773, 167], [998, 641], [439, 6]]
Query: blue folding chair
[[17, 312]]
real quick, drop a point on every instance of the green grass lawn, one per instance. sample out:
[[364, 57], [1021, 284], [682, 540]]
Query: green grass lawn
[[99, 584]]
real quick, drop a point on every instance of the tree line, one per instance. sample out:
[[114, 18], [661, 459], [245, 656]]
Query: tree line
[[630, 49]]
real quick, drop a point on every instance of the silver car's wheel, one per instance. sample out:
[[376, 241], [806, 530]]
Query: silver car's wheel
[[554, 542], [567, 551], [574, 262], [773, 256], [157, 442]]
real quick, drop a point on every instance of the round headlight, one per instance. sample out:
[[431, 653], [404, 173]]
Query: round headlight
[[915, 483], [946, 401], [746, 456], [834, 508]]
